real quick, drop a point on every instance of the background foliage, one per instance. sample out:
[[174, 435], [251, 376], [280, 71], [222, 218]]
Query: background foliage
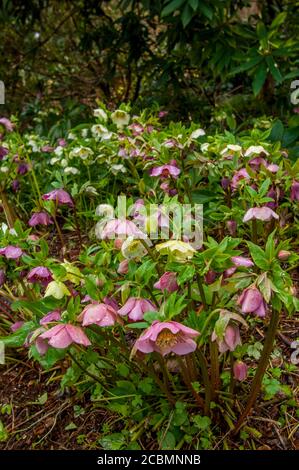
[[215, 61]]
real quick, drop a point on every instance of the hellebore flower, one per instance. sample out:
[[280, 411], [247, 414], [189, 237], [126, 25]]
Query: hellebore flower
[[242, 261], [240, 370], [15, 185], [101, 114], [166, 337], [133, 248], [59, 196], [111, 302], [167, 282], [255, 150], [232, 227], [168, 190], [40, 218], [23, 168], [11, 252], [136, 307], [251, 301], [165, 171], [231, 339], [15, 326], [260, 213], [57, 290], [98, 314], [122, 228], [197, 133], [61, 336], [181, 251], [51, 316], [238, 176], [283, 255], [123, 267], [295, 191], [40, 274], [3, 152], [7, 124], [120, 118]]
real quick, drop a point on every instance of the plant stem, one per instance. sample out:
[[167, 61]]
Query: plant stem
[[187, 381], [201, 290], [254, 231], [215, 379], [261, 368], [59, 233], [151, 253], [232, 379], [206, 380], [77, 225], [8, 210]]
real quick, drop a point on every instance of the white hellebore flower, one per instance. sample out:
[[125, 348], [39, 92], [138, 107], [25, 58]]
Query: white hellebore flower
[[54, 160], [120, 118], [197, 133], [133, 248], [100, 132], [58, 151], [255, 150], [70, 170], [82, 152], [118, 168], [231, 148], [100, 113]]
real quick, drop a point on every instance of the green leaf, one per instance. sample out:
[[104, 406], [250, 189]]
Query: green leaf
[[249, 64], [186, 16], [259, 78], [277, 131], [193, 4], [17, 339], [115, 441], [258, 256], [206, 10], [139, 325], [186, 274], [168, 442], [279, 20], [274, 69], [171, 7]]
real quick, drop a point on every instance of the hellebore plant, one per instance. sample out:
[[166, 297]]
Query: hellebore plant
[[146, 322]]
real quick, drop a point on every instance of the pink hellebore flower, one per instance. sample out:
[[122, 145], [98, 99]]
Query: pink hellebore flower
[[40, 218], [165, 171], [50, 317], [240, 370], [251, 301], [242, 261], [61, 336], [136, 307], [167, 282], [166, 337], [11, 252], [98, 314], [295, 191], [40, 274], [238, 176], [230, 340], [60, 196], [123, 267], [121, 228], [111, 302], [15, 326], [7, 124], [260, 213]]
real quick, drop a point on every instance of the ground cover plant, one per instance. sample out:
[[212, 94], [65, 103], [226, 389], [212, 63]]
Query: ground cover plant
[[150, 269]]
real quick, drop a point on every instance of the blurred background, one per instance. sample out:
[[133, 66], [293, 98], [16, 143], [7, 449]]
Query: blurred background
[[218, 62]]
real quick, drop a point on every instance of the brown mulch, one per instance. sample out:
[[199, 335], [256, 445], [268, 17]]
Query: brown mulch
[[35, 425]]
